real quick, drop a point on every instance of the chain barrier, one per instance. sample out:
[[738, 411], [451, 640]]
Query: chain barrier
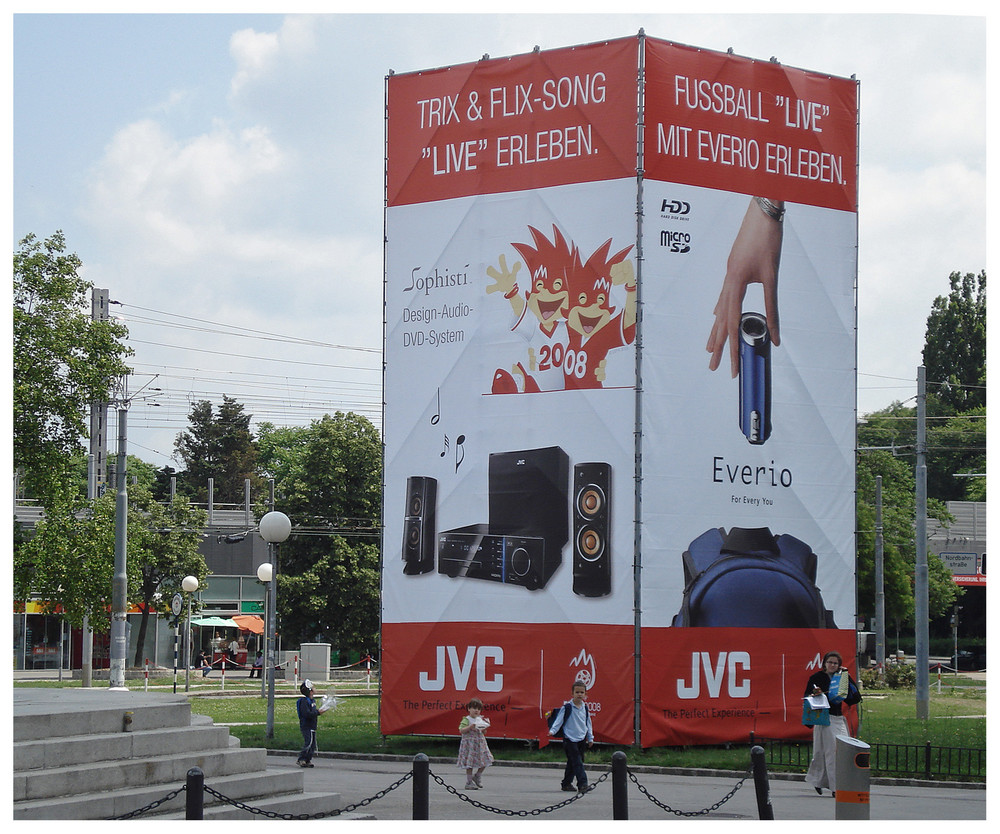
[[509, 812], [260, 812], [645, 792], [140, 811]]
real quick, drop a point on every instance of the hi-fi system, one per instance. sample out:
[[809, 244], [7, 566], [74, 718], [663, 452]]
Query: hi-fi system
[[530, 497]]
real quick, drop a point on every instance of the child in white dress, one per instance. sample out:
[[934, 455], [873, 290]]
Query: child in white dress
[[473, 752]]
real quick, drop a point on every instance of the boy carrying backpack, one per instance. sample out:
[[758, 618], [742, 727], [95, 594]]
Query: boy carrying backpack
[[572, 722]]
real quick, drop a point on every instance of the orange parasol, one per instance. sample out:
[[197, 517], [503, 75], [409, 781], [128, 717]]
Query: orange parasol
[[249, 622]]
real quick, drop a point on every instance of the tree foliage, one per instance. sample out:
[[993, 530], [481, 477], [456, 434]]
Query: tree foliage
[[162, 550], [63, 362], [218, 445], [328, 482], [955, 345], [899, 548], [69, 561], [956, 443]]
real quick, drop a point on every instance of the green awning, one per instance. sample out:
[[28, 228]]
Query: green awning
[[214, 622]]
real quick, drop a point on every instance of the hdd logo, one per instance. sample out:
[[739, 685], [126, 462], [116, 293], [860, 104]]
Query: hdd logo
[[675, 207], [679, 242]]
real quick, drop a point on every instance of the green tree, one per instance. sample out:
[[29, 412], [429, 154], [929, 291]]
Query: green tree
[[955, 345], [162, 550], [218, 445], [63, 362], [328, 479], [956, 443], [899, 544], [68, 562]]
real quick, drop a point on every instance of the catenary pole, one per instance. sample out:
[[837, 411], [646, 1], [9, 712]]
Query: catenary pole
[[920, 573]]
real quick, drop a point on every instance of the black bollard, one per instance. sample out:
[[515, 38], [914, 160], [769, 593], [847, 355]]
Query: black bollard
[[764, 809], [421, 783], [619, 785], [194, 807]]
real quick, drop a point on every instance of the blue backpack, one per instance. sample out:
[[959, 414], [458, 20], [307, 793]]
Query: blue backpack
[[750, 578], [553, 714]]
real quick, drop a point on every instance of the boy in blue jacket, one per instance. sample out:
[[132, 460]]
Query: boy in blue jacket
[[578, 735], [308, 714]]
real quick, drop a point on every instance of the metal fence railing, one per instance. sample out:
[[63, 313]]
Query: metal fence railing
[[920, 761]]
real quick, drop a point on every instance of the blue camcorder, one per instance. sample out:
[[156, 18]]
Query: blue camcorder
[[755, 378]]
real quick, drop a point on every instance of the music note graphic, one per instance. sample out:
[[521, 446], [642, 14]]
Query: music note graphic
[[437, 414], [445, 449], [459, 447]]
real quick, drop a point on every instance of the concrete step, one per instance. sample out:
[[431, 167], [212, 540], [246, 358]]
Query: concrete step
[[63, 712], [80, 749], [109, 804], [102, 754], [130, 773]]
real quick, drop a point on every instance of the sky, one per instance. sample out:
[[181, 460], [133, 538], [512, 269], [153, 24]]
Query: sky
[[222, 176]]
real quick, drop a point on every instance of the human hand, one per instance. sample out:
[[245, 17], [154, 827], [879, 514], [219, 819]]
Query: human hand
[[753, 259]]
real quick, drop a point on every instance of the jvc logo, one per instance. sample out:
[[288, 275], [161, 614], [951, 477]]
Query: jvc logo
[[675, 241], [675, 207], [476, 658], [729, 668]]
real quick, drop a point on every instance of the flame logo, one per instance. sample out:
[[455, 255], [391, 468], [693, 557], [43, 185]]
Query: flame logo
[[586, 668]]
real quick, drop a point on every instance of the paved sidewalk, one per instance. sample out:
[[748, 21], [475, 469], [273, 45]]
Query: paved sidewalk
[[536, 787]]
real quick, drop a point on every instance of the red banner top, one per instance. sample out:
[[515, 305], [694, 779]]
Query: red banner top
[[511, 124], [722, 121]]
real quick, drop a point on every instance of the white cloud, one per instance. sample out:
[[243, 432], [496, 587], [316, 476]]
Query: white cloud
[[174, 197], [254, 52], [258, 54]]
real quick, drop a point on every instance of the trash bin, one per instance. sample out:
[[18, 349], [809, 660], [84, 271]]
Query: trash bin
[[853, 779]]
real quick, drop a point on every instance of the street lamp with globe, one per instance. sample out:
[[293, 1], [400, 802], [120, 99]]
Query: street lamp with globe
[[189, 584], [264, 573], [274, 528]]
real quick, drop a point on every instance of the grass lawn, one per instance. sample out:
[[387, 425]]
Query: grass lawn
[[957, 719]]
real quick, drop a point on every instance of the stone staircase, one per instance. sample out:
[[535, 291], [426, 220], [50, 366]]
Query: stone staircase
[[99, 754]]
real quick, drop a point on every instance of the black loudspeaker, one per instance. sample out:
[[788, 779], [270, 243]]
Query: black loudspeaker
[[591, 529], [419, 539], [529, 498]]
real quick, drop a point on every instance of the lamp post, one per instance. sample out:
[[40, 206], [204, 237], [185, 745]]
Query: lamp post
[[189, 584], [274, 528], [264, 573]]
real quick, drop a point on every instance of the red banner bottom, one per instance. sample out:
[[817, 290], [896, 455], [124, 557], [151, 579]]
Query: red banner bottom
[[698, 686]]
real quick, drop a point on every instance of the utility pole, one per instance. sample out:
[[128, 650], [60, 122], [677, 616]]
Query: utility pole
[[921, 571], [96, 465], [119, 584], [879, 581]]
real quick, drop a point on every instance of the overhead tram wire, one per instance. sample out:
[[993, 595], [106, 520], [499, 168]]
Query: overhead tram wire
[[248, 332], [254, 358], [266, 379]]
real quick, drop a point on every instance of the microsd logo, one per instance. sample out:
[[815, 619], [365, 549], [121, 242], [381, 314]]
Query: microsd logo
[[679, 242]]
